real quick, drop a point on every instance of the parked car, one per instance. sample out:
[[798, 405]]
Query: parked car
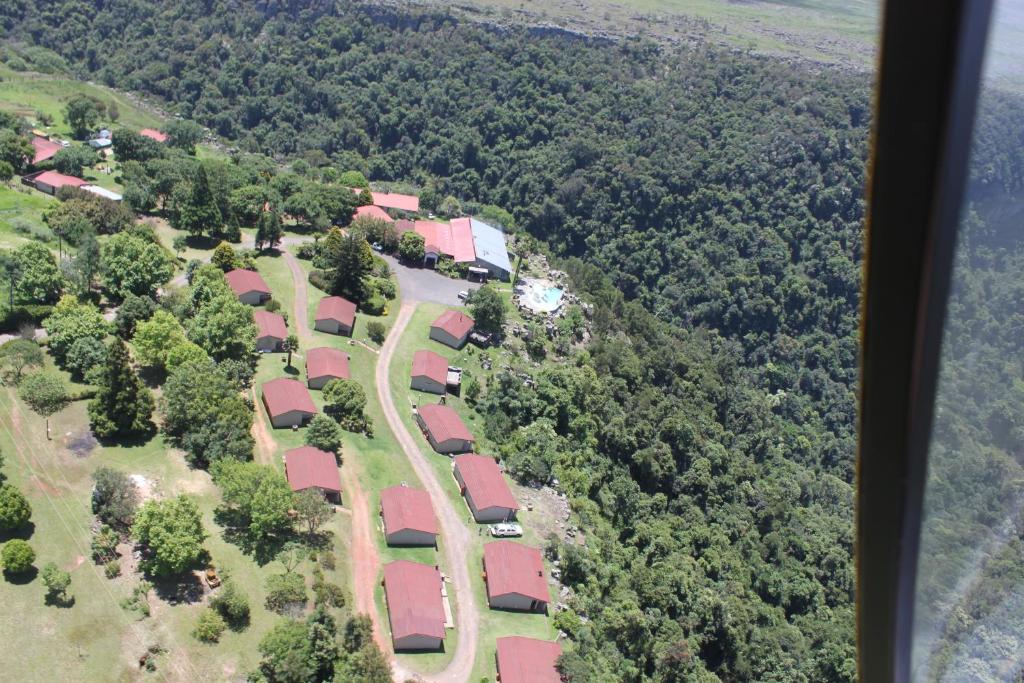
[[506, 529], [463, 295], [377, 246]]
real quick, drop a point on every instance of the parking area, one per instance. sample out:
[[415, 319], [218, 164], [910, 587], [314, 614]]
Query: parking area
[[423, 284]]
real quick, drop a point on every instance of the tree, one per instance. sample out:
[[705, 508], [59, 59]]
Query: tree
[[123, 406], [15, 150], [72, 320], [257, 496], [82, 114], [324, 433], [57, 582], [6, 172], [104, 545], [12, 273], [71, 160], [232, 602], [184, 352], [17, 557], [84, 355], [45, 393], [172, 533], [488, 309], [179, 244], [133, 265], [15, 510], [411, 247], [40, 280], [114, 498], [354, 179], [312, 509], [183, 134], [16, 356], [133, 310], [81, 269], [155, 338], [376, 331], [290, 344], [196, 210], [323, 643], [286, 593], [367, 665], [210, 626], [225, 328], [268, 230], [224, 257], [351, 262], [131, 146], [286, 654], [344, 398]]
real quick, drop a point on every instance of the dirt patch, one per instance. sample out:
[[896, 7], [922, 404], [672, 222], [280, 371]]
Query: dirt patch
[[144, 486], [81, 443], [75, 564], [265, 444], [547, 511], [46, 488]]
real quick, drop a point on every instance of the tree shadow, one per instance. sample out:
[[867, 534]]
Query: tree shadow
[[153, 377], [24, 532], [183, 588], [202, 242], [261, 550], [22, 578], [134, 441], [62, 601], [291, 370]]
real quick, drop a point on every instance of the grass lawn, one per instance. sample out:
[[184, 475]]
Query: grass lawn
[[493, 623], [20, 205]]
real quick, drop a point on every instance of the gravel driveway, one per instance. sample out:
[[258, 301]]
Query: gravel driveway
[[424, 284]]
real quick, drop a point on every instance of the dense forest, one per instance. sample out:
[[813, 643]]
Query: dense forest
[[709, 203]]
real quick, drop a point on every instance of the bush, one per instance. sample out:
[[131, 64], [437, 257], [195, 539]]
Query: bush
[[306, 251], [84, 355], [17, 557], [385, 287], [320, 280], [112, 569], [327, 560], [324, 433], [104, 545], [375, 305], [376, 331], [286, 592], [328, 594], [14, 508], [272, 306], [210, 626], [232, 603]]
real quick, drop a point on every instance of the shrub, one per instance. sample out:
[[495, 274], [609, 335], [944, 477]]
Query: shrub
[[324, 433], [374, 305], [306, 251], [320, 280], [328, 594], [286, 592], [210, 626], [376, 331], [327, 559], [112, 569], [385, 287], [272, 306], [232, 603], [14, 508], [57, 582], [104, 545], [17, 556]]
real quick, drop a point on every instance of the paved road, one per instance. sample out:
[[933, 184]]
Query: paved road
[[424, 284], [455, 537]]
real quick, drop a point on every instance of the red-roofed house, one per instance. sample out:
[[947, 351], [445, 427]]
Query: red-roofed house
[[413, 595], [453, 239], [248, 286], [307, 467], [287, 402], [429, 372], [452, 328], [153, 134], [408, 516], [373, 211], [481, 482], [514, 574], [527, 660], [391, 200], [324, 364], [43, 149], [335, 315], [51, 181], [271, 331], [444, 429]]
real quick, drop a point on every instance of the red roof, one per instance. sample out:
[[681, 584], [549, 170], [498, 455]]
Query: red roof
[[402, 202], [327, 362], [515, 568], [455, 323], [402, 226], [528, 660], [407, 508], [285, 394], [153, 134], [245, 281], [373, 211], [484, 482], [453, 239], [336, 308], [444, 423], [307, 467], [270, 325], [431, 365], [44, 149], [56, 180], [414, 599]]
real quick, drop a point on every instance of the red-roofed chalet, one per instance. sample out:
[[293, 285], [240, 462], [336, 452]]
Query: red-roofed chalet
[[372, 211], [486, 491], [287, 402], [335, 315], [452, 328], [527, 660], [248, 285], [444, 429], [413, 595], [43, 149], [153, 134], [271, 331], [514, 574], [307, 467], [51, 181], [408, 516], [429, 372], [324, 364]]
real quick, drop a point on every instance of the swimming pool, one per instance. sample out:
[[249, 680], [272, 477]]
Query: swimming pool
[[542, 297]]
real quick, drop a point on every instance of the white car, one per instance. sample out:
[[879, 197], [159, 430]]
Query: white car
[[463, 295], [507, 529]]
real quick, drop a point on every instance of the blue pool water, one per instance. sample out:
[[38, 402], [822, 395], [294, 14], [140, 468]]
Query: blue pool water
[[552, 295]]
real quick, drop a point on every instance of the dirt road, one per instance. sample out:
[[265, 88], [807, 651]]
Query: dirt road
[[455, 537], [300, 312]]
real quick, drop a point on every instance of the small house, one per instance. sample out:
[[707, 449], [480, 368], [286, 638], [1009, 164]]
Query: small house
[[287, 402], [271, 331], [408, 516], [514, 574], [51, 181], [484, 487], [429, 372], [153, 134], [43, 149], [412, 592], [324, 364], [491, 254], [335, 315], [452, 328], [527, 660], [307, 467], [248, 285], [444, 429], [372, 211], [400, 202]]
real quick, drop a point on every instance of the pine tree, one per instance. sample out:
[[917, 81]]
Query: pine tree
[[123, 405], [268, 230], [352, 263], [197, 211]]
